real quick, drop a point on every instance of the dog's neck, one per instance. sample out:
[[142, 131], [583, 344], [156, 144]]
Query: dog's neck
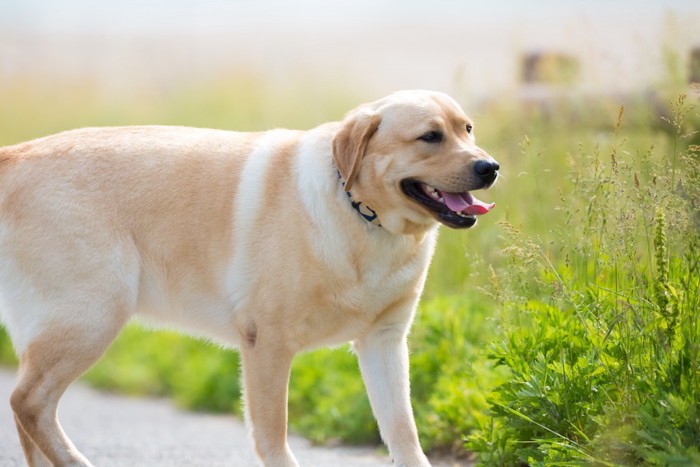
[[367, 213]]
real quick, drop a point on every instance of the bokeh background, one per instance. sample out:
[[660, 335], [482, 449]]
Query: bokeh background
[[137, 52], [563, 329]]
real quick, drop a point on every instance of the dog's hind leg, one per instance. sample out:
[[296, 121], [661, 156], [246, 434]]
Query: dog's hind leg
[[49, 364], [65, 294], [33, 455]]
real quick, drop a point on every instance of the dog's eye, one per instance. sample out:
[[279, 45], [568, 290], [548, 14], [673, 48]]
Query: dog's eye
[[469, 129], [432, 137]]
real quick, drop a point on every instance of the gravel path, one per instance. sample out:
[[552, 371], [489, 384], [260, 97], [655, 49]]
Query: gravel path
[[113, 430]]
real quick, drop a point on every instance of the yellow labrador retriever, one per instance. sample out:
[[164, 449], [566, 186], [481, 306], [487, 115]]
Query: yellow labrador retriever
[[272, 242]]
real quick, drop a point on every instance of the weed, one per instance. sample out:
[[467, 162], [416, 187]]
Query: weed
[[600, 333]]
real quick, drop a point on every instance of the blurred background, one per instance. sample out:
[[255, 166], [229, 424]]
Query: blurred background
[[139, 51], [563, 330]]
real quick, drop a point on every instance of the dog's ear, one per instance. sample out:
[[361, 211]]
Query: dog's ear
[[350, 143]]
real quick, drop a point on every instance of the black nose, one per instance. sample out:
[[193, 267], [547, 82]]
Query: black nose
[[487, 170]]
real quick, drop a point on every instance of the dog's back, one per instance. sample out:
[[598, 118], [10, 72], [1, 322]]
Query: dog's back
[[106, 216]]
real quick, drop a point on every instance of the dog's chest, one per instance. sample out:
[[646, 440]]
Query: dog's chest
[[342, 298], [384, 274]]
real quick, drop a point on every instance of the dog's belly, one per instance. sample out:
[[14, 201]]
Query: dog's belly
[[304, 322], [323, 304], [208, 316]]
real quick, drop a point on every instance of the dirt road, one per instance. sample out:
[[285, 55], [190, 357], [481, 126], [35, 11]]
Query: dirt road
[[113, 430]]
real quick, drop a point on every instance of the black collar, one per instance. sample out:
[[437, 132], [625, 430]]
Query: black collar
[[367, 213]]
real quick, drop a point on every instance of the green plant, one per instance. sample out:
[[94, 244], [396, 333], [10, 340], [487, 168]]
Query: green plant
[[601, 330], [449, 376], [7, 354], [327, 399], [199, 375]]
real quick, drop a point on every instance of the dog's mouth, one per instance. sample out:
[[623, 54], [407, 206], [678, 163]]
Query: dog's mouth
[[456, 210]]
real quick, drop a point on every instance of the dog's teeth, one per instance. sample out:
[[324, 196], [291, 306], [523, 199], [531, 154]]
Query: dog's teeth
[[432, 192]]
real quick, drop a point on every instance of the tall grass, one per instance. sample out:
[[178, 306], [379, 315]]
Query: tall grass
[[562, 330], [600, 322]]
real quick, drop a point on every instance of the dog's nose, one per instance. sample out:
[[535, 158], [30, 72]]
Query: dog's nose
[[487, 170]]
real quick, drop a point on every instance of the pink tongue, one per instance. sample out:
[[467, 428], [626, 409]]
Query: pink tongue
[[466, 203]]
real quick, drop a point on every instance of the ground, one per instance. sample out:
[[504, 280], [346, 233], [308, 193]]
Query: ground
[[113, 430]]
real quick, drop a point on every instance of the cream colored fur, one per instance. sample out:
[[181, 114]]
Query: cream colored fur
[[248, 238]]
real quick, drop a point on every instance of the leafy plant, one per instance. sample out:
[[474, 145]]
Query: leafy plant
[[601, 331]]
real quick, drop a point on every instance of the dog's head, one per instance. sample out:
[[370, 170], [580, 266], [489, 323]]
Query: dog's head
[[412, 157]]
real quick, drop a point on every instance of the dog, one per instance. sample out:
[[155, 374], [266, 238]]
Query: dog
[[273, 242]]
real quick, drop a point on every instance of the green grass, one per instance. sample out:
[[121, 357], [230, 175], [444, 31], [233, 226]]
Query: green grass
[[601, 334], [563, 330]]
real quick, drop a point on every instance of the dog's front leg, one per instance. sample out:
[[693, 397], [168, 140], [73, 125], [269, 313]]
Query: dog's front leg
[[266, 367], [383, 357]]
